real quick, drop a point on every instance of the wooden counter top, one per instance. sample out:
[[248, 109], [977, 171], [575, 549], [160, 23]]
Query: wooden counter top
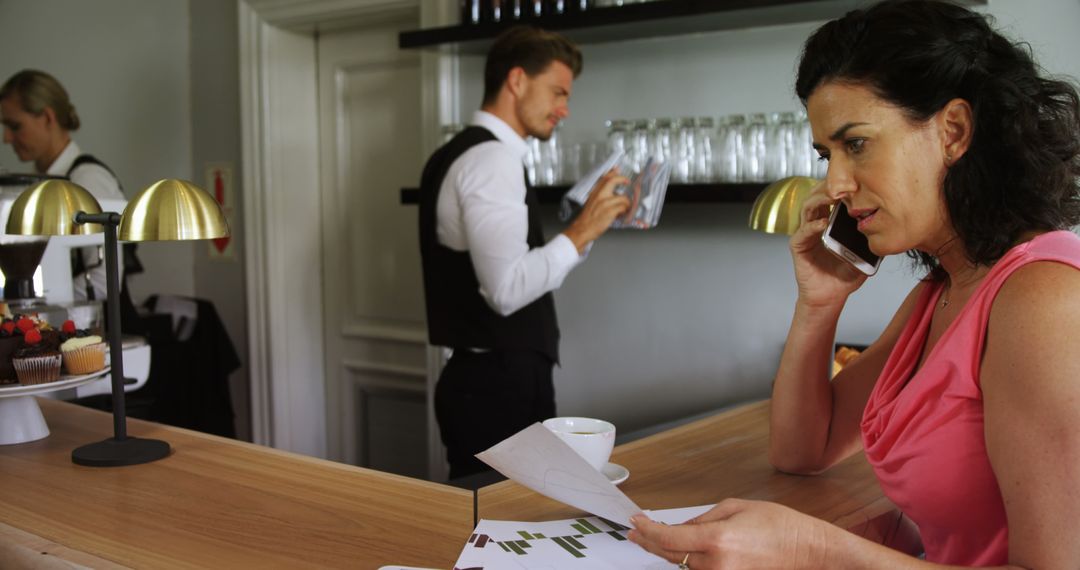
[[709, 460], [218, 503]]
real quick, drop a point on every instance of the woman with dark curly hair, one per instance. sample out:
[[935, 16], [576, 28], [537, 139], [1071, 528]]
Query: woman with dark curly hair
[[944, 140]]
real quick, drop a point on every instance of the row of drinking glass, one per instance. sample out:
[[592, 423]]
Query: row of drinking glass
[[759, 147], [483, 11], [550, 163]]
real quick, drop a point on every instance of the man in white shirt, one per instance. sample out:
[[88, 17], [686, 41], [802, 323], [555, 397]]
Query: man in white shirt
[[488, 272]]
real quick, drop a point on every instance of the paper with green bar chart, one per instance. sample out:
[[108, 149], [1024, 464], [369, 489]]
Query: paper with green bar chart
[[571, 544], [539, 460]]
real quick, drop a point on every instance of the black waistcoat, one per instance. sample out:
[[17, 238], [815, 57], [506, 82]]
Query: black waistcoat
[[457, 315]]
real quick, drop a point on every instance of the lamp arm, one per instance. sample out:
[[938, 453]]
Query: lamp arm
[[104, 218]]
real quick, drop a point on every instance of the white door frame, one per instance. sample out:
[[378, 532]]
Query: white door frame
[[279, 133]]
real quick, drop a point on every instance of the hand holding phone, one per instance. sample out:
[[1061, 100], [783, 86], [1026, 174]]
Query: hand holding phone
[[843, 238]]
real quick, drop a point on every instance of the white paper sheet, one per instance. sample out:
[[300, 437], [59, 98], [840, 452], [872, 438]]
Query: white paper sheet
[[586, 543], [541, 461], [580, 191]]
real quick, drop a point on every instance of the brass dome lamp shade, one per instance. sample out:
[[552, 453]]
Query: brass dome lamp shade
[[170, 210], [49, 208], [778, 209], [46, 209], [167, 210]]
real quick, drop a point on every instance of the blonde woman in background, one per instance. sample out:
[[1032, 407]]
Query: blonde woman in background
[[38, 118]]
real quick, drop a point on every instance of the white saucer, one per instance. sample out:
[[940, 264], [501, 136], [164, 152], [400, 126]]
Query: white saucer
[[615, 473]]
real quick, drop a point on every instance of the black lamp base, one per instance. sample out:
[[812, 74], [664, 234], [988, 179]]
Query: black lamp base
[[114, 452]]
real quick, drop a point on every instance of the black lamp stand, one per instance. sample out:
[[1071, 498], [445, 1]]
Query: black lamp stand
[[120, 449]]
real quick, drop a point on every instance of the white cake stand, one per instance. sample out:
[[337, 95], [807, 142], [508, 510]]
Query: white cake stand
[[20, 416]]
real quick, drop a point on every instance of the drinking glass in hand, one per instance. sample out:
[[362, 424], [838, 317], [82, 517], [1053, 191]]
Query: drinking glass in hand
[[618, 138]]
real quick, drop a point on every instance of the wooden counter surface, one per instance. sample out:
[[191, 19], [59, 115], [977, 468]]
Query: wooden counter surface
[[703, 462], [216, 503]]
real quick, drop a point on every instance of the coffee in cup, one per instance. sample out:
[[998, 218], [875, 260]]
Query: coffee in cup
[[591, 438]]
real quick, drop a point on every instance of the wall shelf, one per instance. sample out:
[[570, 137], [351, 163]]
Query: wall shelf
[[677, 193], [635, 21]]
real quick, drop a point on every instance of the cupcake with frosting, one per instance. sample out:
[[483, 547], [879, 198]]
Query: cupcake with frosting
[[36, 362], [82, 353]]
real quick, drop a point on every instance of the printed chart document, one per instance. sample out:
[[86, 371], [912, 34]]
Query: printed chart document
[[538, 459], [586, 543]]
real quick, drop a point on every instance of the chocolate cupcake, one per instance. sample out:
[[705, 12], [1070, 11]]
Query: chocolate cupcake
[[9, 342], [8, 345], [36, 362]]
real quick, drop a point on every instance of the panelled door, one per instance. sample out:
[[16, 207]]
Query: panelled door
[[376, 351]]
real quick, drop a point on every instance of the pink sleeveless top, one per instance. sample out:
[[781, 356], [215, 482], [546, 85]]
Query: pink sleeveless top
[[925, 440]]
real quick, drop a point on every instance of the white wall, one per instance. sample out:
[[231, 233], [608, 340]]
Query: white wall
[[693, 314], [125, 66], [1049, 26]]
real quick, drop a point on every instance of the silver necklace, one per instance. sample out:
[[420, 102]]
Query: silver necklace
[[948, 290]]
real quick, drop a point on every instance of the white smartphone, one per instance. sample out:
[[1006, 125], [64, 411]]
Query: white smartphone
[[844, 239]]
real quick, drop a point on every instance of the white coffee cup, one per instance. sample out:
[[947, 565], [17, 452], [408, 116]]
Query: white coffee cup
[[591, 438]]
